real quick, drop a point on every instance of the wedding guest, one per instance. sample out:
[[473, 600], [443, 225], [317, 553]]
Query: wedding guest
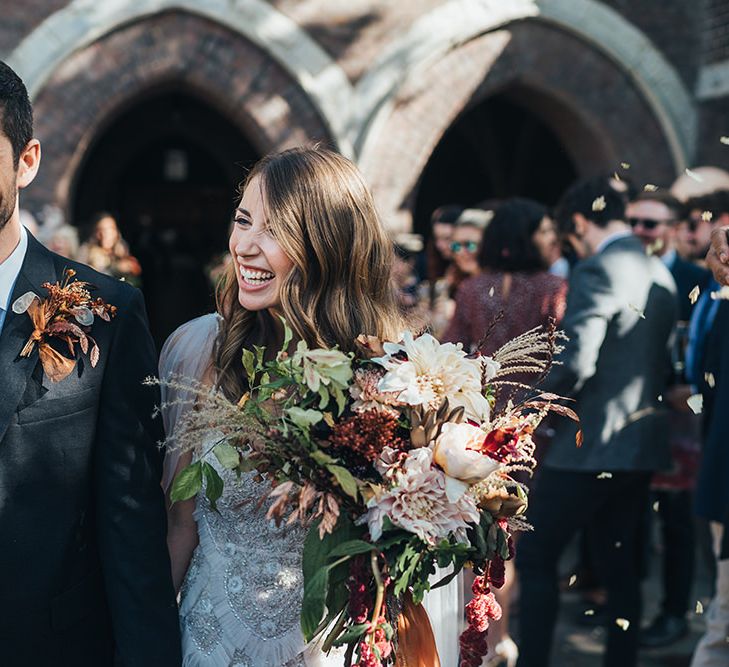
[[82, 516], [465, 241], [107, 252], [654, 217], [621, 309], [438, 255], [64, 241], [513, 290]]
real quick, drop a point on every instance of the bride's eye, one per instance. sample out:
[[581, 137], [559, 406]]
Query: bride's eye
[[243, 222]]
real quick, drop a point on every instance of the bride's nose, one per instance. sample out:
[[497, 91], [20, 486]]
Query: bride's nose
[[245, 245]]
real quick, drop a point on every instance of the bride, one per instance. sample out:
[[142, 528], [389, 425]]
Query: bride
[[306, 245]]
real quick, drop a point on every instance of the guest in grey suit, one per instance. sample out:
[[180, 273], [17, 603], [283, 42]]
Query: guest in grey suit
[[621, 309]]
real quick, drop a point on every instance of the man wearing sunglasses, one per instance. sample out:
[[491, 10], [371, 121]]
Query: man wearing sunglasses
[[654, 217]]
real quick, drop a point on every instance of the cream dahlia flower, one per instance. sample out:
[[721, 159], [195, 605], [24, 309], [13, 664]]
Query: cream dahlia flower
[[417, 502], [433, 371]]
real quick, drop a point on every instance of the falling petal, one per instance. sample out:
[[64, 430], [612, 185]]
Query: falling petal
[[660, 398], [694, 175], [625, 165], [573, 579], [589, 612], [694, 294], [622, 623], [724, 140], [699, 607], [723, 293], [656, 505], [635, 308], [605, 475], [649, 187], [710, 380], [706, 216], [22, 303], [491, 292], [618, 545], [599, 204], [655, 247], [696, 403]]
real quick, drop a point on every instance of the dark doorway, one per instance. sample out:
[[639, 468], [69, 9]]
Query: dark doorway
[[168, 169], [496, 149]]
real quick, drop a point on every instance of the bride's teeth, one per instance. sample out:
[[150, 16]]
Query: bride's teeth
[[250, 275]]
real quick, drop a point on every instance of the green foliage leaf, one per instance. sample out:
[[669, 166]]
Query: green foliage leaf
[[249, 364], [314, 602], [352, 634], [188, 483], [213, 484], [288, 334], [304, 418], [322, 458], [351, 548], [345, 479], [228, 456]]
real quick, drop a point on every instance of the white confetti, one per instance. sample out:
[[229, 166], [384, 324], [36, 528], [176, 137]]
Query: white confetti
[[724, 140], [694, 175], [696, 403], [635, 308], [723, 293], [625, 165], [573, 579], [710, 379], [699, 607], [622, 623], [605, 475], [656, 505], [491, 292], [589, 612], [706, 216], [694, 294], [599, 204], [618, 545], [660, 398], [649, 187]]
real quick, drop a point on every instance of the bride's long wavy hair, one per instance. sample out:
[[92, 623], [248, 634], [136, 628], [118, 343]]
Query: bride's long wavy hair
[[322, 214]]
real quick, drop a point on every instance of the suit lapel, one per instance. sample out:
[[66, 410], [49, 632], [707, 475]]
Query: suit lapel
[[38, 268]]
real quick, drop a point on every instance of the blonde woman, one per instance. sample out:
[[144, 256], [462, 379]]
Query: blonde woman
[[307, 245]]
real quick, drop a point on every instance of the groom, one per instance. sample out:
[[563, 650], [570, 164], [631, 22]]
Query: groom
[[85, 571]]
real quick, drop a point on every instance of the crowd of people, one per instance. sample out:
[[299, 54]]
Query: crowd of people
[[622, 271]]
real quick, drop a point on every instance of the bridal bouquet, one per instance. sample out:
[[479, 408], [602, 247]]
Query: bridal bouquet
[[397, 461]]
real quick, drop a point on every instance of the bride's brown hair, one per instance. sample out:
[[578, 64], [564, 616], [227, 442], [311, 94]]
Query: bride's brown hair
[[322, 214]]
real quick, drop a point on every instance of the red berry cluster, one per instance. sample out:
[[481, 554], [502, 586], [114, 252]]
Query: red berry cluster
[[482, 609], [367, 434]]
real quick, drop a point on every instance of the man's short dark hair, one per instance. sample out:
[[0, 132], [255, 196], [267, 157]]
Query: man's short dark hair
[[600, 199], [716, 202], [16, 112], [666, 198]]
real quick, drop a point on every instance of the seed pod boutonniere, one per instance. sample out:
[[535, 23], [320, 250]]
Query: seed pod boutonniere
[[67, 314]]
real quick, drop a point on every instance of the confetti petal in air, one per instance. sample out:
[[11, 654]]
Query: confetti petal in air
[[710, 379], [724, 140], [694, 294], [573, 579], [656, 505], [599, 204], [491, 292], [706, 216], [696, 403], [605, 475], [625, 165], [649, 187], [694, 176], [622, 623], [589, 612], [699, 607], [723, 293], [635, 308], [618, 545]]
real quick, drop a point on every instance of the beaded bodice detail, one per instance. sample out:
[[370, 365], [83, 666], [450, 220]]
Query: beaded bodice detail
[[241, 598]]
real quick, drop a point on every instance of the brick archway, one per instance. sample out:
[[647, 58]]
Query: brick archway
[[95, 84], [584, 97]]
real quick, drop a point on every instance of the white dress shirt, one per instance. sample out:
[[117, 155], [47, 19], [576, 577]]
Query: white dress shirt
[[9, 272]]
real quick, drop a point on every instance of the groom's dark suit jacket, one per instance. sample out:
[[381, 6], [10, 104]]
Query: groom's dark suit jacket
[[84, 569]]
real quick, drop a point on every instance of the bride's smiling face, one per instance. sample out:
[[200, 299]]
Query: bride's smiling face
[[260, 262]]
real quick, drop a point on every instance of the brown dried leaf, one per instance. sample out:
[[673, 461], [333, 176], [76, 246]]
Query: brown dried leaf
[[94, 356]]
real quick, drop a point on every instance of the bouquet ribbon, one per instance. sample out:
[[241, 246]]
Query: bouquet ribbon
[[416, 642], [55, 365]]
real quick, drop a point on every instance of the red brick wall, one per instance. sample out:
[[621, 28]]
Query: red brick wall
[[229, 72]]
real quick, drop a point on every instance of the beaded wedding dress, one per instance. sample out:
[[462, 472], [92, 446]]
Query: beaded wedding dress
[[241, 598]]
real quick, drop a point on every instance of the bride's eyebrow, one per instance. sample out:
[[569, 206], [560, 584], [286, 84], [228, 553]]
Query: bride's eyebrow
[[244, 212]]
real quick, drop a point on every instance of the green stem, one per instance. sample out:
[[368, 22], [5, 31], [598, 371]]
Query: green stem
[[380, 594]]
